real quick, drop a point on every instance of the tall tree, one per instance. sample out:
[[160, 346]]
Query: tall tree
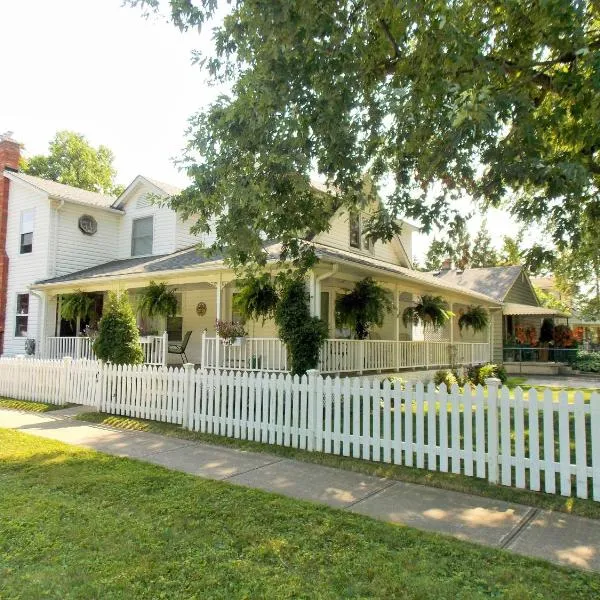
[[483, 253], [511, 252], [498, 100], [437, 253], [72, 160]]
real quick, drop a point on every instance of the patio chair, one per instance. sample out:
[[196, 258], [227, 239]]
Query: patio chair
[[180, 348]]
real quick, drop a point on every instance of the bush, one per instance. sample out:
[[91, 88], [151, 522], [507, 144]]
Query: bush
[[588, 362], [302, 334], [445, 376], [118, 339], [477, 374]]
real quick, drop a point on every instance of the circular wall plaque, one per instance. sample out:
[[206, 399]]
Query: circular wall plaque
[[201, 309], [88, 225]]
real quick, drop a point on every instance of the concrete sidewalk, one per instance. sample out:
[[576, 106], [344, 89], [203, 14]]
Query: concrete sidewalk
[[557, 537]]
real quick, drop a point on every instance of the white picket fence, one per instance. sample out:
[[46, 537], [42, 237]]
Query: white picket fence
[[528, 441]]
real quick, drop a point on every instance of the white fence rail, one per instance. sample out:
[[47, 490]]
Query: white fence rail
[[528, 440], [153, 346], [342, 356]]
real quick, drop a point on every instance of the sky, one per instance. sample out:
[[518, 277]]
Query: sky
[[124, 81]]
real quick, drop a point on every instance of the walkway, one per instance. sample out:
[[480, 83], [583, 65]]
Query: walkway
[[556, 537]]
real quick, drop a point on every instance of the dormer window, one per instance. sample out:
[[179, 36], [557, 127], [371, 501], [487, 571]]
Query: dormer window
[[142, 236], [357, 237]]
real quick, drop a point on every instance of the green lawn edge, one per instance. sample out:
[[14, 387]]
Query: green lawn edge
[[75, 523], [29, 406], [447, 481]]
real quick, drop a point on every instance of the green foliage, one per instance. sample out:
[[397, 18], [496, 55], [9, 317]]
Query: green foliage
[[588, 362], [157, 300], [437, 253], [78, 305], [257, 297], [496, 101], [445, 376], [431, 311], [302, 334], [73, 161], [547, 331], [362, 308], [118, 339], [475, 317], [483, 253], [477, 374], [229, 330], [511, 253]]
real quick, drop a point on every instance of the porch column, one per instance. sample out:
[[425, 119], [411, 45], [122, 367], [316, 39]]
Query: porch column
[[397, 343], [491, 337], [451, 324], [312, 285], [43, 299]]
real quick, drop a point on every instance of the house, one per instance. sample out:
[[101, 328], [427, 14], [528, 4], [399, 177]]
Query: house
[[512, 287], [61, 240]]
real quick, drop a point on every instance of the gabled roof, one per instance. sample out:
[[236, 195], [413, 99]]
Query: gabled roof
[[166, 188], [490, 281], [61, 191]]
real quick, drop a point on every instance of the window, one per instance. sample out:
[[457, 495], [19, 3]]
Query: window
[[357, 238], [22, 315], [175, 324], [142, 234], [355, 230], [26, 238]]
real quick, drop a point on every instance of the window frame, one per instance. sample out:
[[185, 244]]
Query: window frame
[[357, 239], [134, 239], [23, 233], [21, 315]]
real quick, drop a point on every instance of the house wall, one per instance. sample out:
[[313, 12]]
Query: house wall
[[521, 292], [25, 269], [183, 237], [338, 236], [164, 222], [74, 249]]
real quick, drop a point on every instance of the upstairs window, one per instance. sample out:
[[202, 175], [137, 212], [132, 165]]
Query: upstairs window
[[357, 237], [22, 315], [26, 237], [142, 236]]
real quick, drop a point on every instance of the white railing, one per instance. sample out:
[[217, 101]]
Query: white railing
[[246, 354], [526, 440], [153, 346]]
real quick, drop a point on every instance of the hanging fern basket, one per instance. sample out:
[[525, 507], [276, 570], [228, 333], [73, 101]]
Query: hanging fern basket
[[476, 318]]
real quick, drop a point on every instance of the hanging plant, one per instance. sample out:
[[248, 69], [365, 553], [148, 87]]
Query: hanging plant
[[256, 298], [157, 300], [476, 317], [363, 307], [78, 305], [431, 311]]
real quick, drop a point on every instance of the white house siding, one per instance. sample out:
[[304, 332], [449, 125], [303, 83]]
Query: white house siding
[[164, 223], [183, 237], [24, 269], [338, 236], [74, 249]]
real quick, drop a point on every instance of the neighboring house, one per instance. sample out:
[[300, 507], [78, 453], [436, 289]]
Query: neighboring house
[[61, 239], [513, 288]]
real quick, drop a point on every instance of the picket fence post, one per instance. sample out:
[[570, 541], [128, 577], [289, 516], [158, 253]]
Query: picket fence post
[[188, 395], [100, 386], [595, 436], [165, 347], [65, 371], [492, 384], [313, 407]]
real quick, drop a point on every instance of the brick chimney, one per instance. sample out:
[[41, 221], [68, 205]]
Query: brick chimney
[[10, 153], [447, 264]]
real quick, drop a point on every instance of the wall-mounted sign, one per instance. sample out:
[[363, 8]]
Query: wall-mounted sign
[[201, 309], [88, 225]]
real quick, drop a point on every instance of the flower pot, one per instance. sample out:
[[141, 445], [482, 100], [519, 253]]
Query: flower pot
[[237, 341]]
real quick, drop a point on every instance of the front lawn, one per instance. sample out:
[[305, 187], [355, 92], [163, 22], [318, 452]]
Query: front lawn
[[78, 524], [27, 405]]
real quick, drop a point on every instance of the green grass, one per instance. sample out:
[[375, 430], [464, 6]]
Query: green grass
[[448, 481], [27, 405], [78, 524]]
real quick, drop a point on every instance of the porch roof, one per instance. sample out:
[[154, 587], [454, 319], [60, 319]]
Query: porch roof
[[190, 260], [511, 308]]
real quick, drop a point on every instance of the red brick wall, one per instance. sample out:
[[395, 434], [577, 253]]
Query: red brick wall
[[10, 153]]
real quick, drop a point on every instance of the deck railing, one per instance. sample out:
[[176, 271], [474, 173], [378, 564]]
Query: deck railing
[[153, 346], [342, 356]]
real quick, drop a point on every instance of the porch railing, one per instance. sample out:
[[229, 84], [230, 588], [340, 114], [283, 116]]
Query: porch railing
[[343, 356], [153, 346]]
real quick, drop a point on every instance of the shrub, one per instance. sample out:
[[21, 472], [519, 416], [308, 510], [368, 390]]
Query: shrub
[[477, 374], [445, 376], [588, 362], [563, 337], [118, 339], [547, 331], [302, 334]]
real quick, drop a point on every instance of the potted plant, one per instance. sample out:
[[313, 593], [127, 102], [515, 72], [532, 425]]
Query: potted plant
[[475, 317], [230, 332], [363, 307], [256, 297], [157, 300], [431, 311], [77, 306]]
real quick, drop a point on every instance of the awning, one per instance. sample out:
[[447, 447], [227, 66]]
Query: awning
[[526, 310]]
